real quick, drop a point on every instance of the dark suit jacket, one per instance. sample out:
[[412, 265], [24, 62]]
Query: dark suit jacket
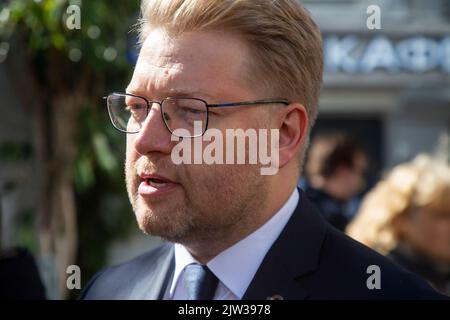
[[309, 260]]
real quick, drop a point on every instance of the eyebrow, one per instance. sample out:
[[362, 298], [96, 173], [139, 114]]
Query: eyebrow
[[173, 93]]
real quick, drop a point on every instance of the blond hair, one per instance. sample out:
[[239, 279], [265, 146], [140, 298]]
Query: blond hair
[[422, 183], [285, 43]]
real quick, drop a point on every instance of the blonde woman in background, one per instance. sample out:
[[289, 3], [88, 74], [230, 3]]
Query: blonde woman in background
[[407, 217]]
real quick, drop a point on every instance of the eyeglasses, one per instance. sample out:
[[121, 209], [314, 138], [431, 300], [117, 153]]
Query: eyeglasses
[[128, 112]]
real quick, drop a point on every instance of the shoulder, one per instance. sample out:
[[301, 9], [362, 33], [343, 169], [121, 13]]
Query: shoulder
[[355, 271], [116, 281]]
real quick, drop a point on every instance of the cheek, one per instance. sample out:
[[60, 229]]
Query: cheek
[[352, 182], [436, 238], [357, 180], [129, 143], [430, 232], [440, 229], [131, 156], [216, 181], [131, 153], [203, 178]]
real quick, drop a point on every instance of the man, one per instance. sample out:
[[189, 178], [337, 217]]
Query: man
[[233, 232], [335, 169]]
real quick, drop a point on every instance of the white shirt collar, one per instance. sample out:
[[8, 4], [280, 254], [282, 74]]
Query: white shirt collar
[[236, 266]]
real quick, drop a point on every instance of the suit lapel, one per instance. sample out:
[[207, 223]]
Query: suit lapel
[[295, 253], [155, 276]]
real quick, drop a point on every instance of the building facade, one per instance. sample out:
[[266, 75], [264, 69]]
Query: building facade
[[390, 86]]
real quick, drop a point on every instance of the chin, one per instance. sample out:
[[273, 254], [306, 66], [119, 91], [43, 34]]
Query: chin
[[164, 223]]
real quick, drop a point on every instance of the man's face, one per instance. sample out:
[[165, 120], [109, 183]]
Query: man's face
[[355, 175], [349, 181], [195, 202]]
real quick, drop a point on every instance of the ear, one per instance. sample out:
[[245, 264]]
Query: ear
[[293, 127]]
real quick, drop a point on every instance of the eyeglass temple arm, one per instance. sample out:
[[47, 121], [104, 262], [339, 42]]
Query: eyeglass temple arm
[[248, 103]]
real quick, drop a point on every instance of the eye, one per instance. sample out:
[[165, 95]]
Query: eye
[[191, 113], [138, 111], [192, 110], [166, 116], [136, 107]]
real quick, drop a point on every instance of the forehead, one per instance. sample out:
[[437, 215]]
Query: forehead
[[205, 62]]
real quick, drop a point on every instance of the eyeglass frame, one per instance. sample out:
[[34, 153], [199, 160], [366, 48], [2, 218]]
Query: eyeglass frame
[[208, 105]]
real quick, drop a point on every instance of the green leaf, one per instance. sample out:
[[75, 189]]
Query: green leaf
[[84, 174], [58, 40], [104, 155]]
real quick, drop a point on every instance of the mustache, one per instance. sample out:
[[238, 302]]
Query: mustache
[[145, 164]]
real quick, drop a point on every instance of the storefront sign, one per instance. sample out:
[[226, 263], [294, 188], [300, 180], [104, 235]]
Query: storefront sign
[[415, 54]]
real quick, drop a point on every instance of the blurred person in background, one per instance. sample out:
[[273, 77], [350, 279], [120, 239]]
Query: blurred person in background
[[335, 169], [19, 275], [407, 217]]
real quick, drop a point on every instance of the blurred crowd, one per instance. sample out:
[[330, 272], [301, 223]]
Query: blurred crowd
[[404, 216]]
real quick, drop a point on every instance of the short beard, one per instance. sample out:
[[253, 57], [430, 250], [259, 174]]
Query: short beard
[[231, 214]]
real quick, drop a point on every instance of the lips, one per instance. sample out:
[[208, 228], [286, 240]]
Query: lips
[[154, 185]]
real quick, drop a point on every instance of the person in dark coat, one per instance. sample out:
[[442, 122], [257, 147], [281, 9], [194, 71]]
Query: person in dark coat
[[335, 168]]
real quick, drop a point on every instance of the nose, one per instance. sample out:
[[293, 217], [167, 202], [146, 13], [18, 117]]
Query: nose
[[153, 136]]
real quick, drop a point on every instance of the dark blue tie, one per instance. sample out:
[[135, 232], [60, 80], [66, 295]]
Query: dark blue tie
[[200, 282]]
